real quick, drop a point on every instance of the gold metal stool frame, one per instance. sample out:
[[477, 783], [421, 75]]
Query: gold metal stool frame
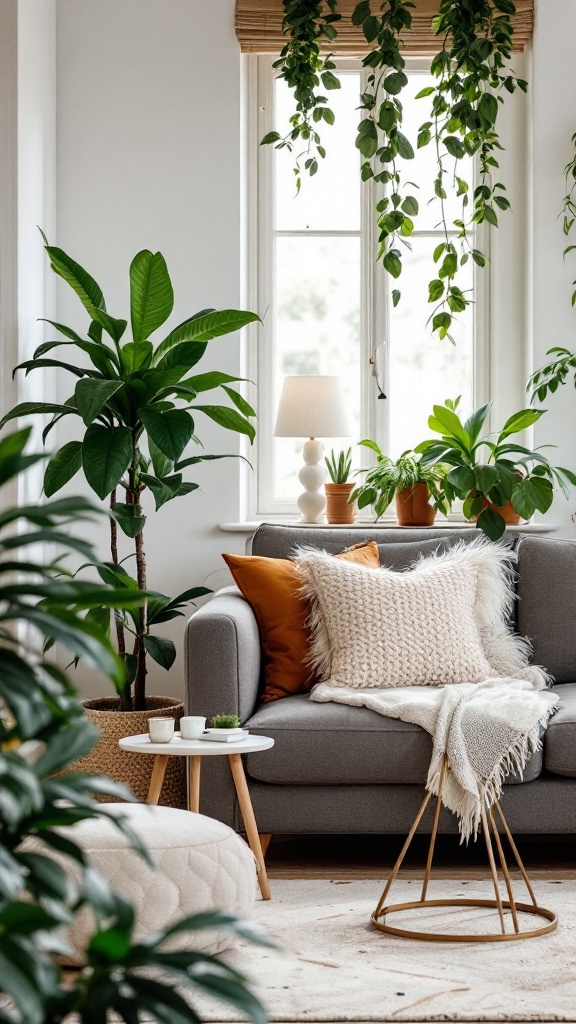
[[498, 903]]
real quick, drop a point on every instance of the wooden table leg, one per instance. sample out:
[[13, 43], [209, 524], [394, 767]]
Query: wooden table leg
[[247, 812], [157, 778], [194, 763]]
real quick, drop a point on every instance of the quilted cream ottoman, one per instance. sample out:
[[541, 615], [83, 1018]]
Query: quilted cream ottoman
[[201, 864]]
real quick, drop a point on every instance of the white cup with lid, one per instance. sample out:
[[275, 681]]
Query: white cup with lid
[[192, 727]]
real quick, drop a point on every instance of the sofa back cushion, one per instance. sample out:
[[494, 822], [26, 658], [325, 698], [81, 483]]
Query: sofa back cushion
[[547, 602], [398, 548]]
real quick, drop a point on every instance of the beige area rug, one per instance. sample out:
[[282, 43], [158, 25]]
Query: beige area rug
[[336, 967]]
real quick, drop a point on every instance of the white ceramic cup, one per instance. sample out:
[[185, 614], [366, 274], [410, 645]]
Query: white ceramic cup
[[192, 727], [161, 730]]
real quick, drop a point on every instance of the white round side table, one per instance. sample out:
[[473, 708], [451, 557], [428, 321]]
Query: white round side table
[[195, 750]]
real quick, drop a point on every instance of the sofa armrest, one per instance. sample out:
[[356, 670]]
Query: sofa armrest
[[222, 657], [222, 665]]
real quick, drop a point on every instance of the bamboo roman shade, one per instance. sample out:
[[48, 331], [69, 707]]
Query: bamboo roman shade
[[259, 28]]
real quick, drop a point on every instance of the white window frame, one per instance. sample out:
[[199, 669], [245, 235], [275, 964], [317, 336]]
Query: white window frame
[[259, 502]]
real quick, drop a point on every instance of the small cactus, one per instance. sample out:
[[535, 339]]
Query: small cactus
[[225, 722]]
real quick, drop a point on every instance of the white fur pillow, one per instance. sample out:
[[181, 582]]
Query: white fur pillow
[[442, 621]]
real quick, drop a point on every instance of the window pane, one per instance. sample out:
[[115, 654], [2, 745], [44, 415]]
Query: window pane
[[317, 331], [330, 200], [423, 370]]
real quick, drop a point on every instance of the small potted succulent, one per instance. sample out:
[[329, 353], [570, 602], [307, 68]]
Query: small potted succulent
[[225, 727], [416, 487], [499, 481], [339, 508]]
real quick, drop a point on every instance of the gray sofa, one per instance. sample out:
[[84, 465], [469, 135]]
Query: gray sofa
[[338, 769]]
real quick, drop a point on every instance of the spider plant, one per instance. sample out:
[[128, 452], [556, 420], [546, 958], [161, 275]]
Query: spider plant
[[389, 477]]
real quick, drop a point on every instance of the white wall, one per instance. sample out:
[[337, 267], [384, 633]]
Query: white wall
[[149, 155], [553, 88]]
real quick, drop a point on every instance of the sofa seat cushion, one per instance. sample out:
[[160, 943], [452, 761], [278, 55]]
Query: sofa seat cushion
[[560, 742], [334, 744]]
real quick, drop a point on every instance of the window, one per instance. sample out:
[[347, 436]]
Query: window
[[328, 305]]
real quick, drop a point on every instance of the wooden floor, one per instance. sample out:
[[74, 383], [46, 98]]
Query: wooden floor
[[356, 857]]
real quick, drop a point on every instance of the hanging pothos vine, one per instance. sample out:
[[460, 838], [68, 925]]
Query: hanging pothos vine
[[471, 78]]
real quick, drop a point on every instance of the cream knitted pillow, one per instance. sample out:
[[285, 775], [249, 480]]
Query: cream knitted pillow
[[442, 621]]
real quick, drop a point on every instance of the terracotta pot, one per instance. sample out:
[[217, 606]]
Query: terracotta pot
[[412, 508], [338, 508], [133, 769]]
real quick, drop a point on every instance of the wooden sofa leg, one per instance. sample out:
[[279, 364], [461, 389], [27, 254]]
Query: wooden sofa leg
[[265, 838]]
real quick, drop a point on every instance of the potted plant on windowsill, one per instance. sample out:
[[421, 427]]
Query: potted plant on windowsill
[[133, 401], [339, 508], [417, 488], [499, 481]]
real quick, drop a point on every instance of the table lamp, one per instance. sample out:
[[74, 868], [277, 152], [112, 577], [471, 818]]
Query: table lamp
[[312, 406]]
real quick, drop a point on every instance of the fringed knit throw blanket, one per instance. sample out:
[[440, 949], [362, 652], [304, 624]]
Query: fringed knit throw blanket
[[431, 646], [485, 729]]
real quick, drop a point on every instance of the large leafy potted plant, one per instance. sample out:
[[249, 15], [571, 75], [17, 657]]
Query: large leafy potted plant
[[499, 481], [42, 730], [133, 402], [414, 486]]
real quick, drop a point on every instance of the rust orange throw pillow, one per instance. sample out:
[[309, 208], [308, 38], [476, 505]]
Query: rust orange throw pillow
[[272, 588]]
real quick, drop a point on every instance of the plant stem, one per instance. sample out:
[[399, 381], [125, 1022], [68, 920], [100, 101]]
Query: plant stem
[[133, 498], [115, 561], [125, 696]]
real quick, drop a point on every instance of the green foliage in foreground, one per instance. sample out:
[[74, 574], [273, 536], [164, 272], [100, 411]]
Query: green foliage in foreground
[[42, 730]]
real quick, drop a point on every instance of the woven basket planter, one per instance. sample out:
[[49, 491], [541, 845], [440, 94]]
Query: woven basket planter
[[133, 769]]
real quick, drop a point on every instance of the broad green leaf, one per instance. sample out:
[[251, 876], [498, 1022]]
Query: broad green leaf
[[239, 401], [162, 465], [208, 381], [451, 423], [520, 421], [195, 459], [228, 418], [130, 518], [491, 523], [475, 422], [486, 477], [204, 328], [42, 364], [170, 431], [89, 293], [133, 357], [542, 493], [151, 294], [93, 395], [163, 489], [63, 465], [462, 479], [161, 650], [106, 455], [35, 409]]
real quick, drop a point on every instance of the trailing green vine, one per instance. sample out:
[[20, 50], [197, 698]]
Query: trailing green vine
[[472, 75], [304, 70], [379, 138], [548, 378], [471, 69], [568, 213]]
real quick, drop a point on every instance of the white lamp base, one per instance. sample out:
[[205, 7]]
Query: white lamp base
[[312, 502]]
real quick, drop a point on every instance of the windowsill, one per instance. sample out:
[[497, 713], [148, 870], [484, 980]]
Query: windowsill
[[249, 526]]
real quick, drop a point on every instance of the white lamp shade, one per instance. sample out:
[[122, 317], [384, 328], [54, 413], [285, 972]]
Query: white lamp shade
[[312, 406]]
